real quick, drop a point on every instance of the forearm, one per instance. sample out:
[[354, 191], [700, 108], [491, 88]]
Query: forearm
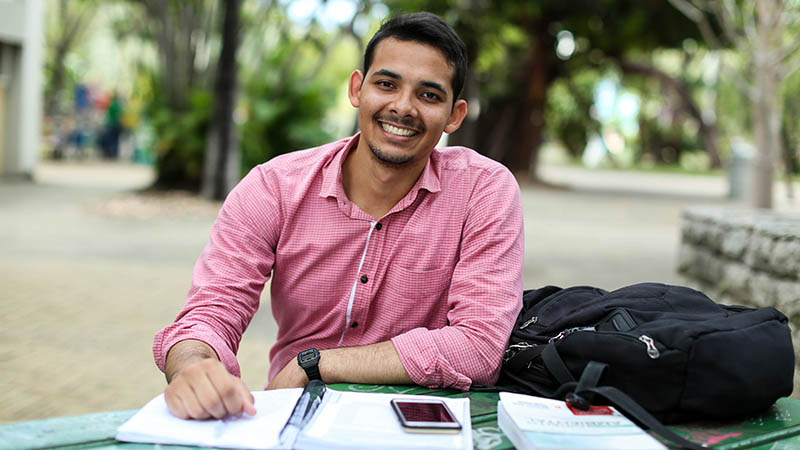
[[228, 277], [369, 364], [185, 353]]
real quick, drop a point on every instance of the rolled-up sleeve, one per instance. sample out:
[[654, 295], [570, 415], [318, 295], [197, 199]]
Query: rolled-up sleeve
[[229, 275], [485, 294]]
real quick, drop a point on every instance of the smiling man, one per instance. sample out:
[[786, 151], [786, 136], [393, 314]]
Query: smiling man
[[392, 261]]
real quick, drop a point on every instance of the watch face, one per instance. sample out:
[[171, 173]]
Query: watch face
[[308, 356]]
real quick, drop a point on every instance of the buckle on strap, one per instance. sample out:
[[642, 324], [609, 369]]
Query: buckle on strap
[[577, 402]]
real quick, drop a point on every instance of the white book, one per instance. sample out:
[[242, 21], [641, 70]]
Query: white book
[[535, 423], [344, 420]]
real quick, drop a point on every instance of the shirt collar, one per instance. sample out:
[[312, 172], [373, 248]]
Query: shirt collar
[[332, 173]]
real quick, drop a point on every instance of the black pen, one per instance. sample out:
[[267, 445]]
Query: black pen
[[303, 410]]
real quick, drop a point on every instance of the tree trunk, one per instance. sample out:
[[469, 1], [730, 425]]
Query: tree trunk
[[221, 166], [53, 103], [766, 130], [522, 149], [467, 133], [72, 22], [766, 105]]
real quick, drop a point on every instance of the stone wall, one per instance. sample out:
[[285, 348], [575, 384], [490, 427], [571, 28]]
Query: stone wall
[[745, 257]]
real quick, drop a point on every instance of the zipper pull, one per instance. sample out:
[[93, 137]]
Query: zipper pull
[[652, 351], [569, 331], [530, 321]]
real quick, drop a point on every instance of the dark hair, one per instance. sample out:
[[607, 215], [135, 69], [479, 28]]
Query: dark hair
[[425, 28]]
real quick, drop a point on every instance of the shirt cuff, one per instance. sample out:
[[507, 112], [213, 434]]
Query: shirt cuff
[[424, 362], [171, 335]]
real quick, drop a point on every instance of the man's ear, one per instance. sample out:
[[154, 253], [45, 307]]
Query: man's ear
[[457, 116], [354, 87]]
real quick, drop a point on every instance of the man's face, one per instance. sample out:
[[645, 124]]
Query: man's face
[[405, 102]]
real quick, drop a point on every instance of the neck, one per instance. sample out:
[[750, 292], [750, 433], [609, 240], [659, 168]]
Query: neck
[[375, 186]]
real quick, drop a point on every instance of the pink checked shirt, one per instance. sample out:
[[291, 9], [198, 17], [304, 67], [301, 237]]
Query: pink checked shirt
[[440, 274]]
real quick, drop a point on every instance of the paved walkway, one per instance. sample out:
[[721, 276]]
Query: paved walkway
[[89, 270]]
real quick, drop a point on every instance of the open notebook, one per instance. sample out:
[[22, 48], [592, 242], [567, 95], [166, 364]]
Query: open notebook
[[344, 420]]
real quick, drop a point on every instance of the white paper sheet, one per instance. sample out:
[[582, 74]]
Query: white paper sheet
[[344, 420], [365, 420], [155, 424]]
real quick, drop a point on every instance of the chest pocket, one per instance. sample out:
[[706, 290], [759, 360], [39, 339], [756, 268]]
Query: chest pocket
[[427, 286]]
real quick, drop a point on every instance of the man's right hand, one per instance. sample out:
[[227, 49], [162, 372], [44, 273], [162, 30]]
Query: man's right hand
[[200, 387]]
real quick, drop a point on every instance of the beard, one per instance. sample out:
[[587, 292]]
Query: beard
[[388, 159]]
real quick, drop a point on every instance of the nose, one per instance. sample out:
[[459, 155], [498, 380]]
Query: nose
[[403, 104]]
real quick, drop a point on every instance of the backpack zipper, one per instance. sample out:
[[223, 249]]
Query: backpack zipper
[[530, 321], [569, 331], [652, 351]]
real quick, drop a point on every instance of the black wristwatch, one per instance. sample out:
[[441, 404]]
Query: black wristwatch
[[309, 361]]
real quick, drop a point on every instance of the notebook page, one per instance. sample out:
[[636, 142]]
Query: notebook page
[[155, 424]]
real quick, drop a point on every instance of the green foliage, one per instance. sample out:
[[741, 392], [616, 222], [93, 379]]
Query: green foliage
[[284, 115], [280, 106], [791, 123], [285, 106], [180, 141], [569, 121]]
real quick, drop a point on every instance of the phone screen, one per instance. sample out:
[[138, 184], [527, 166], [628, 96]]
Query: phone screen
[[430, 414], [425, 412]]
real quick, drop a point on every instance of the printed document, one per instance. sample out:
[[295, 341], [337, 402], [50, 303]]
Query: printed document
[[344, 420]]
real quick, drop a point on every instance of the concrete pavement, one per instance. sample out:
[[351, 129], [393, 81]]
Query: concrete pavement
[[90, 270]]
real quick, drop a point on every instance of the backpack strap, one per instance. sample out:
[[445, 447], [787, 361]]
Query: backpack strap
[[555, 365], [589, 379], [588, 385], [521, 359], [635, 411]]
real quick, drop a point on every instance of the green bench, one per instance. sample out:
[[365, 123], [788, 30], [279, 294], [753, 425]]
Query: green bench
[[776, 428]]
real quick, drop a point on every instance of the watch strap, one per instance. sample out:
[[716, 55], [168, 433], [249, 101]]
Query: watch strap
[[313, 372]]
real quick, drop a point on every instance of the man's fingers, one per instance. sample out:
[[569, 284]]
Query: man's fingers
[[174, 403], [182, 401], [207, 394], [205, 390], [193, 407], [232, 391], [250, 402]]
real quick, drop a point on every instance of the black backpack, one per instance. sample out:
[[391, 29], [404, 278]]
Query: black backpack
[[676, 354]]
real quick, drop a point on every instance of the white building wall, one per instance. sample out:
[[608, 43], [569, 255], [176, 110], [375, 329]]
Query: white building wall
[[22, 33], [12, 20], [32, 92]]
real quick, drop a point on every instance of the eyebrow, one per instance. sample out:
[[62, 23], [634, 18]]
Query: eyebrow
[[430, 84]]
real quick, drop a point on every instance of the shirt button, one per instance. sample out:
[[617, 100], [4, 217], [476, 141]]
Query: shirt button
[[364, 278], [355, 324], [379, 226]]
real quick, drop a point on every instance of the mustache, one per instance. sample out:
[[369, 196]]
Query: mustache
[[400, 121]]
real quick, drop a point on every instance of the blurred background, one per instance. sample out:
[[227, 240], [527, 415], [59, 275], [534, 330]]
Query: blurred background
[[653, 140]]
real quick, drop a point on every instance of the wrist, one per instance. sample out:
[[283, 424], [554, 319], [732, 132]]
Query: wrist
[[185, 353], [309, 360]]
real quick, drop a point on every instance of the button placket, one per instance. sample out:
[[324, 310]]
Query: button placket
[[363, 290]]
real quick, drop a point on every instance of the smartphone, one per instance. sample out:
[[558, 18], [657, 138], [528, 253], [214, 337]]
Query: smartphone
[[425, 416]]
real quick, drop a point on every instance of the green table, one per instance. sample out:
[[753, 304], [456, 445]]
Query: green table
[[776, 428]]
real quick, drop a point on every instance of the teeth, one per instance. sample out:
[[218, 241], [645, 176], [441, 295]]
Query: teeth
[[398, 131]]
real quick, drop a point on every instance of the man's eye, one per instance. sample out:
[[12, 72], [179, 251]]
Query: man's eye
[[384, 83], [431, 96]]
